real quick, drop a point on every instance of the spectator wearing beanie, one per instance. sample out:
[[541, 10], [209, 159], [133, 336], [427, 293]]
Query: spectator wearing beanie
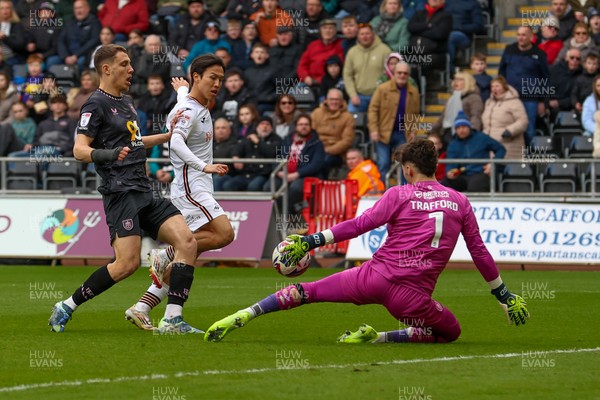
[[469, 143]]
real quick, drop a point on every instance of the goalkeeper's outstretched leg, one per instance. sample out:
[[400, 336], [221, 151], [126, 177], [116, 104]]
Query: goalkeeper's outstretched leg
[[428, 321]]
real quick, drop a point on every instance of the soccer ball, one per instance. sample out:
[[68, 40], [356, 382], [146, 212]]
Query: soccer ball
[[281, 262]]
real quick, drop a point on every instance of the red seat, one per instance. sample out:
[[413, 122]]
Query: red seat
[[329, 203]]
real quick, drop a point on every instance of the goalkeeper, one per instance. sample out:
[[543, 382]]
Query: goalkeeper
[[423, 221]]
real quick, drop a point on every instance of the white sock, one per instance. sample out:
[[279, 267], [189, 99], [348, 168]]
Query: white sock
[[161, 294], [173, 310], [381, 338], [251, 311], [70, 303]]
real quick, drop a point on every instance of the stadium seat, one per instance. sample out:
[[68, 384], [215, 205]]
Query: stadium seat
[[586, 178], [517, 178], [580, 147], [22, 176], [89, 178], [177, 71], [559, 177], [564, 137], [567, 118], [542, 145], [66, 75], [360, 120], [61, 175], [305, 98]]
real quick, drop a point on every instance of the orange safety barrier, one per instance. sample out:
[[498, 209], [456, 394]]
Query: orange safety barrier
[[329, 203]]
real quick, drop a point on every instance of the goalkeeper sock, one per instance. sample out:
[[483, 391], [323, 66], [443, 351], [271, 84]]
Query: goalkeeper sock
[[409, 335], [99, 281], [266, 305], [152, 298], [402, 336]]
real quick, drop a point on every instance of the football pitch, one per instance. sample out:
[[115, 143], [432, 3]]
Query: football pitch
[[294, 354]]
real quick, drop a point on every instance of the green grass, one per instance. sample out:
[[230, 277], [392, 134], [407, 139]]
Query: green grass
[[99, 344]]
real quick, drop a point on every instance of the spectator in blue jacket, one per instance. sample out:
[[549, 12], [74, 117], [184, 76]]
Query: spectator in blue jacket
[[525, 68], [590, 106], [467, 19], [305, 154], [80, 36], [468, 143], [209, 44]]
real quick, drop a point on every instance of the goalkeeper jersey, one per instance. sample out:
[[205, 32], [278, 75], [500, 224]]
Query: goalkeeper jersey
[[423, 223]]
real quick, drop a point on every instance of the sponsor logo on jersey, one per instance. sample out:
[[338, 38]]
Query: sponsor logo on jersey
[[85, 120], [114, 111]]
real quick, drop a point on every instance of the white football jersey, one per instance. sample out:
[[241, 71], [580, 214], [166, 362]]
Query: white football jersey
[[196, 127]]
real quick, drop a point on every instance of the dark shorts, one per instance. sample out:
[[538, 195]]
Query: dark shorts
[[127, 213]]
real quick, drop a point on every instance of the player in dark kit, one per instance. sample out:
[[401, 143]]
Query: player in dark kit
[[108, 135]]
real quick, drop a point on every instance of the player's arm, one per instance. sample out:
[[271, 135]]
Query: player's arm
[[381, 212], [87, 128], [512, 304], [84, 152], [181, 87], [153, 140], [181, 126]]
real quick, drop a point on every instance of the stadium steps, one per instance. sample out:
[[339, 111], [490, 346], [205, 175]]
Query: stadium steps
[[495, 48], [434, 109], [524, 10], [508, 36]]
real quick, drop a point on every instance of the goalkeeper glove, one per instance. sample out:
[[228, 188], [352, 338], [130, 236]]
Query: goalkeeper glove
[[512, 304], [300, 245]]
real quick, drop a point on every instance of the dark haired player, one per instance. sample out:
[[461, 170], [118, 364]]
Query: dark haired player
[[423, 221], [108, 135], [191, 153]]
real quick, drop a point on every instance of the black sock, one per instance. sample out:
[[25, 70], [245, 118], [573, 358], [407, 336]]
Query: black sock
[[98, 282], [182, 276]]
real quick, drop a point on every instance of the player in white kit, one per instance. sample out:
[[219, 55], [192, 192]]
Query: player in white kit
[[191, 154]]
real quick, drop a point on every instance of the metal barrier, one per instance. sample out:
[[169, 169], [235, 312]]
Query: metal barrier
[[275, 193], [396, 171]]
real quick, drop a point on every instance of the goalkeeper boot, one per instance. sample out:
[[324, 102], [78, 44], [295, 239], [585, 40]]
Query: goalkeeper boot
[[221, 328], [141, 319], [364, 334], [158, 266], [176, 325], [61, 314]]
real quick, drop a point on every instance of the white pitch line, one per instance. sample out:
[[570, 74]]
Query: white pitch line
[[32, 386]]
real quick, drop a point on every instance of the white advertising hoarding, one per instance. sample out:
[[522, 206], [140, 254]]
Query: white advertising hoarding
[[517, 232]]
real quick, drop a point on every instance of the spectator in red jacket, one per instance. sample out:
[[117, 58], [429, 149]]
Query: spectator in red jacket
[[548, 40], [123, 19], [311, 67]]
